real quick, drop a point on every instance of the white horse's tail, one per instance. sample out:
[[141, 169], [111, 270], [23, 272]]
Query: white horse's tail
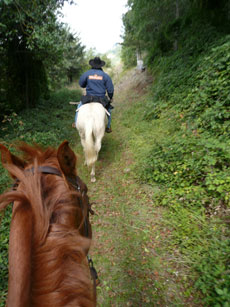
[[91, 125], [89, 147]]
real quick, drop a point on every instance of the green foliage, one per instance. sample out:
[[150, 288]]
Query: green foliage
[[188, 161], [178, 73], [206, 249], [4, 238], [92, 53], [184, 153], [4, 244], [46, 120], [71, 65], [158, 27], [130, 45], [37, 51], [209, 100], [195, 161], [198, 94], [128, 56], [214, 280], [150, 26]]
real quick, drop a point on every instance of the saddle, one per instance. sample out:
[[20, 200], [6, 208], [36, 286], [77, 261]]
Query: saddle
[[103, 100]]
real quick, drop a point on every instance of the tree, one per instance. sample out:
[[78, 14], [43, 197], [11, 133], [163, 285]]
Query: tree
[[75, 57], [158, 26], [31, 42], [92, 53], [131, 41], [71, 65]]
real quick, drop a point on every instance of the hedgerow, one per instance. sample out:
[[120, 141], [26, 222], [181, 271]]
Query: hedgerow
[[188, 163]]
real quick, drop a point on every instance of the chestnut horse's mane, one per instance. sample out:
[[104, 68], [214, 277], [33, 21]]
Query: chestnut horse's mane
[[58, 272]]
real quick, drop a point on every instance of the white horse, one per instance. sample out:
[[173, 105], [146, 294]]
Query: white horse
[[91, 123]]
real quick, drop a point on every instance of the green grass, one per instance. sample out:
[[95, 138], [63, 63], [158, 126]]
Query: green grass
[[133, 266]]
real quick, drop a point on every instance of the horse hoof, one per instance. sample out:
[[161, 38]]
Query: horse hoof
[[93, 179]]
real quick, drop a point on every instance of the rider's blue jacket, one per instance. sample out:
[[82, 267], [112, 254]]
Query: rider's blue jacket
[[97, 82]]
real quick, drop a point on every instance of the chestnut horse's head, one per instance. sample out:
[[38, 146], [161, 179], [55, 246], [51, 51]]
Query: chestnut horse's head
[[50, 230]]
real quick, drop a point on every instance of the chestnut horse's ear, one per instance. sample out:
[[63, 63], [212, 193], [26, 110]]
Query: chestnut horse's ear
[[67, 159], [8, 158]]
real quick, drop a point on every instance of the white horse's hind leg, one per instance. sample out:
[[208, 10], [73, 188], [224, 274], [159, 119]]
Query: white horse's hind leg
[[98, 139], [98, 144], [82, 136], [92, 174]]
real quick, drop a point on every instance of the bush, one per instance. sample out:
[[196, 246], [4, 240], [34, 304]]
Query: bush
[[208, 103], [48, 123]]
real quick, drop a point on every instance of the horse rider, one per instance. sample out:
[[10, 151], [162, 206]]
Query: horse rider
[[97, 83]]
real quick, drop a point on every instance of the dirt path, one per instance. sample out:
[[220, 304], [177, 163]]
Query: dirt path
[[133, 265]]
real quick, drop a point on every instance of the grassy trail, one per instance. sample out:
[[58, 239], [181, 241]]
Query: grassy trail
[[130, 239]]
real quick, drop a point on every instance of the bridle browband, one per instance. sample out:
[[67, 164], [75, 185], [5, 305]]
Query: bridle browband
[[49, 170], [42, 169]]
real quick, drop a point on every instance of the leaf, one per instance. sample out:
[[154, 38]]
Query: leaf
[[219, 291]]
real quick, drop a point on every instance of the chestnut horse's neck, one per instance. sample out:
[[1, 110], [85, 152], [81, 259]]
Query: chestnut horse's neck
[[20, 254], [47, 254]]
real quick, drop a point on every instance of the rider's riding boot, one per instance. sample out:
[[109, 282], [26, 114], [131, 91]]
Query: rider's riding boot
[[108, 130]]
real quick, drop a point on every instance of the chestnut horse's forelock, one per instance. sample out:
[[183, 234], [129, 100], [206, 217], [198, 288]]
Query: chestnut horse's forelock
[[59, 272]]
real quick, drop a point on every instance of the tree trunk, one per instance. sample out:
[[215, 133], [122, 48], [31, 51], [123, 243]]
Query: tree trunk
[[27, 90], [177, 16]]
